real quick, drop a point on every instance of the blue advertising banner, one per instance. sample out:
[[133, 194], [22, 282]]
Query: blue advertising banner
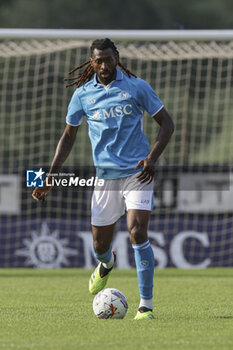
[[177, 241]]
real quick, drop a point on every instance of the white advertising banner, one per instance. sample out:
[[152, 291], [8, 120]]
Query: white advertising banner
[[205, 193], [10, 188]]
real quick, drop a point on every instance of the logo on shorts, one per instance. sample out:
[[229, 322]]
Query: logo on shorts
[[35, 178], [144, 263], [145, 201]]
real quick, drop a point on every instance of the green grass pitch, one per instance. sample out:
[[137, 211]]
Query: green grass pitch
[[52, 309]]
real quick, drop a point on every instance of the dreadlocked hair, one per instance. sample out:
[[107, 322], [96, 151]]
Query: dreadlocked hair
[[86, 75]]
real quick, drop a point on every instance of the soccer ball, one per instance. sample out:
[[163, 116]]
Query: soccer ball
[[110, 303]]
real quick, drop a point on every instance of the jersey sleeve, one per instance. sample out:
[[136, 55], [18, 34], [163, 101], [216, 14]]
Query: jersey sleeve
[[75, 111], [148, 99]]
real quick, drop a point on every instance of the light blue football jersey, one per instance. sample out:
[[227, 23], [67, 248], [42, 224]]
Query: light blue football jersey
[[114, 114]]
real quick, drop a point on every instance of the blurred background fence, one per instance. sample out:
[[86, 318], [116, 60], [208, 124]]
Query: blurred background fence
[[192, 221]]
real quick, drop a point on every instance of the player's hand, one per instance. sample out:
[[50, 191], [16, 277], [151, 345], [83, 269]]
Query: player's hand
[[40, 193], [148, 171]]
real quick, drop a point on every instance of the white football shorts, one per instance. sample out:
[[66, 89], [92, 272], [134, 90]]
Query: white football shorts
[[110, 201]]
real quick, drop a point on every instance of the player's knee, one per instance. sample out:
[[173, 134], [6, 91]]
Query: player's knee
[[138, 234]]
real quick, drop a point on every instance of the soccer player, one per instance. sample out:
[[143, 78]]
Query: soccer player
[[113, 103]]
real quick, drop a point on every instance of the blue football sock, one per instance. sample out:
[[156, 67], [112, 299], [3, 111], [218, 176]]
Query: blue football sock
[[144, 259], [104, 257]]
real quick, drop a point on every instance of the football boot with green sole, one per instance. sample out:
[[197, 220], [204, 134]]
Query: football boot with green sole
[[99, 278], [147, 315]]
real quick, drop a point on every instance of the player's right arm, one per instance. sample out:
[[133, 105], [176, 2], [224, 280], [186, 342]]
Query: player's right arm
[[63, 150]]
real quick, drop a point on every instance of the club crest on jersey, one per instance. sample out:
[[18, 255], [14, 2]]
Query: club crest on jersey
[[124, 95]]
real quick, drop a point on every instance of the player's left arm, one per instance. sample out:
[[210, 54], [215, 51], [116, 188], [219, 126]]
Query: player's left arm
[[165, 132]]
